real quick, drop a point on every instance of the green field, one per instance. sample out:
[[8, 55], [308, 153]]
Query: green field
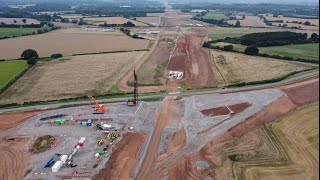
[[15, 32], [216, 16], [304, 51], [9, 70]]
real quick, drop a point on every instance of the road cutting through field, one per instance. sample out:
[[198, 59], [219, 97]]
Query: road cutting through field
[[151, 154]]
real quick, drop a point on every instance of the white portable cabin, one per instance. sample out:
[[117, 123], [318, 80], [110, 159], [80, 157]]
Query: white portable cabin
[[56, 167], [64, 158]]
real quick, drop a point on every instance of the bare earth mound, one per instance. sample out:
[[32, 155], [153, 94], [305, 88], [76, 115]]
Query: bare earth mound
[[219, 111], [304, 92], [78, 77], [123, 160], [8, 121], [68, 44], [178, 140], [14, 158]]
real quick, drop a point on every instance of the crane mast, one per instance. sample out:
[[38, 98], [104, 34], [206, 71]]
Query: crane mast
[[99, 108]]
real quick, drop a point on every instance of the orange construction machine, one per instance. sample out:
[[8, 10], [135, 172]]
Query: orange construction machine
[[99, 109]]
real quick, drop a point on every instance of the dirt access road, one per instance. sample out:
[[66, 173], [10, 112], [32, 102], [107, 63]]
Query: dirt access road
[[151, 154], [193, 60], [123, 86]]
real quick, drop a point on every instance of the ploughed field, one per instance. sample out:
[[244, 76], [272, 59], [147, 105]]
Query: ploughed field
[[67, 43], [289, 148], [71, 77]]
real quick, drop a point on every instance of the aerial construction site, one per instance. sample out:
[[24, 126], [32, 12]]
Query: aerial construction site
[[156, 97]]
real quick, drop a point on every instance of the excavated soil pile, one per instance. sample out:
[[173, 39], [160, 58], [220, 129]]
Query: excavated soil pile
[[194, 61], [304, 92], [123, 160], [14, 158], [8, 121], [178, 140], [219, 111]]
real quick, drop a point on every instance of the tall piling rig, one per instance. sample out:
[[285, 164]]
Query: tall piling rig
[[134, 100]]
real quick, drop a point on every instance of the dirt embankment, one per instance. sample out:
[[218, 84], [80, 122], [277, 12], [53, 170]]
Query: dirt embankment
[[178, 140], [11, 120], [14, 158], [194, 61], [219, 111], [123, 160], [14, 152], [303, 92]]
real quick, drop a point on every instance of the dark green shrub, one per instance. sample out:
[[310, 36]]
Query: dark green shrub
[[56, 56]]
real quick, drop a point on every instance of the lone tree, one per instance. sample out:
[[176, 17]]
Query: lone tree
[[15, 21], [252, 50], [238, 24], [24, 20], [307, 23], [29, 54], [315, 37]]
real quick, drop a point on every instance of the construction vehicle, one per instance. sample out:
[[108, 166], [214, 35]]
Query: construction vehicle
[[134, 100], [69, 163], [99, 108], [52, 160], [100, 142]]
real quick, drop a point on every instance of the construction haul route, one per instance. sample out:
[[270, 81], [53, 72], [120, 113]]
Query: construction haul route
[[151, 153]]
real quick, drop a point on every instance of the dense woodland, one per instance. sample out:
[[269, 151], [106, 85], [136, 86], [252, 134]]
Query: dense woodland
[[267, 39]]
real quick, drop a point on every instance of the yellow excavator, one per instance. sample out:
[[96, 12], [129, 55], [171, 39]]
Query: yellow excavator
[[100, 142]]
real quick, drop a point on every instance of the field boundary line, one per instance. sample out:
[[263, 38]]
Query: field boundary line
[[110, 52], [215, 65]]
